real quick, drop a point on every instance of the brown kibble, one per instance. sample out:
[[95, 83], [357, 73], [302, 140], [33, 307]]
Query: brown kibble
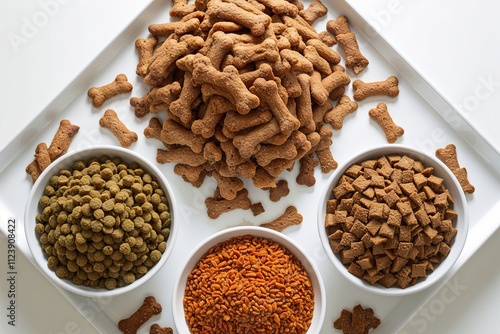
[[347, 41], [388, 87], [149, 308], [99, 95], [381, 115], [111, 122], [290, 217], [448, 155]]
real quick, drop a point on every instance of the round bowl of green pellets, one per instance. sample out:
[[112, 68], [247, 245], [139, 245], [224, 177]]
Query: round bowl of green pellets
[[99, 221]]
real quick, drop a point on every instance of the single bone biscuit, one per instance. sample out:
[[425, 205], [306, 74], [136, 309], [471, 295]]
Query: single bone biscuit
[[306, 172], [157, 329], [62, 138], [304, 105], [388, 87], [448, 155], [290, 217], [267, 92], [303, 28], [267, 153], [221, 45], [145, 48], [111, 122], [347, 41], [319, 63], [181, 107], [217, 206], [297, 60], [148, 309], [279, 7], [336, 116], [381, 115], [58, 146], [154, 129], [315, 10], [99, 95], [281, 190]]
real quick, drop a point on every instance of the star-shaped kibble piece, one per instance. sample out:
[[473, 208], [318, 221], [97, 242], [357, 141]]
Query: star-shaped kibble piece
[[359, 321]]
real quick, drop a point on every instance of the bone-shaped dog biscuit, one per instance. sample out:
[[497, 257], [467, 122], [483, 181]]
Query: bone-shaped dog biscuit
[[388, 87], [381, 115], [448, 155], [111, 122], [149, 308], [335, 117], [99, 95]]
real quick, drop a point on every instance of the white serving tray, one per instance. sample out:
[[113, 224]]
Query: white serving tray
[[419, 108]]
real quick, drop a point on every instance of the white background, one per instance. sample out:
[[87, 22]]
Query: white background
[[44, 45]]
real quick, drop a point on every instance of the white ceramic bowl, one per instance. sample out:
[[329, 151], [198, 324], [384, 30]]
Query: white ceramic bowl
[[460, 206], [292, 246], [33, 208]]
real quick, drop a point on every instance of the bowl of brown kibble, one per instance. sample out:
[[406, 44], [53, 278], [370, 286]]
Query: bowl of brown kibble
[[249, 279], [393, 220], [99, 221]]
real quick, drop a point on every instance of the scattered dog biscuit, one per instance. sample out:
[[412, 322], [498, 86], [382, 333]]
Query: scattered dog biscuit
[[448, 155], [281, 190], [99, 95], [216, 205], [388, 87], [157, 329], [111, 122], [290, 217], [335, 117], [359, 321], [58, 146], [381, 115], [149, 308], [347, 41]]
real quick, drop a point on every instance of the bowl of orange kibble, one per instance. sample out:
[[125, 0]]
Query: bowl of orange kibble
[[251, 279], [393, 220]]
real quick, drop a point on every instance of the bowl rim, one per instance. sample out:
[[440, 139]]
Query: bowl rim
[[65, 161], [460, 201], [258, 231]]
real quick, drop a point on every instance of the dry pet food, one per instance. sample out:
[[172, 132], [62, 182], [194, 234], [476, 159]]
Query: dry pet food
[[391, 220], [347, 41], [149, 308], [248, 284], [381, 115], [252, 81], [359, 321], [111, 122], [103, 223], [157, 329], [59, 145], [99, 95], [448, 155], [290, 217], [388, 87]]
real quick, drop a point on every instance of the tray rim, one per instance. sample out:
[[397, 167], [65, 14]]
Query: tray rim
[[108, 53]]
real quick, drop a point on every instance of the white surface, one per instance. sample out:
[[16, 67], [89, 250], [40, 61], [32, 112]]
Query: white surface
[[65, 42]]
